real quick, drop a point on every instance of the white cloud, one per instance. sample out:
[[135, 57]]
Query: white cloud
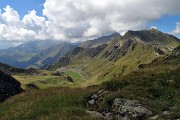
[[84, 19], [176, 31], [153, 27], [90, 18]]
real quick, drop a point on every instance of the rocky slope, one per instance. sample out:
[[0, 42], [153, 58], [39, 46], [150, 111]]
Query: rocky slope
[[99, 41], [8, 86], [149, 93]]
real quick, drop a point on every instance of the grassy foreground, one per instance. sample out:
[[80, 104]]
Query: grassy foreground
[[47, 104]]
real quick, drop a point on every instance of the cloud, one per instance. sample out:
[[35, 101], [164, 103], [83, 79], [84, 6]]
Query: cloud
[[75, 20], [176, 31], [91, 18]]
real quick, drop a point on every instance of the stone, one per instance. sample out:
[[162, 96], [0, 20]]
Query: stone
[[108, 114], [166, 113], [154, 117], [94, 96], [133, 108], [92, 102], [125, 118], [95, 114]]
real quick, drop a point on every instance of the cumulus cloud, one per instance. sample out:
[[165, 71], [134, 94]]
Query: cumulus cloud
[[84, 19], [176, 31], [91, 18]]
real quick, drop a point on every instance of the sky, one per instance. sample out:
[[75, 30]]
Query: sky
[[79, 20]]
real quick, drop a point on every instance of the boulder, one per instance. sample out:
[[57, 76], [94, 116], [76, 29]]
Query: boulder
[[166, 113], [154, 117], [132, 108], [32, 86], [8, 86], [96, 98]]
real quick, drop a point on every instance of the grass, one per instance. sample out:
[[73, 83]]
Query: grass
[[48, 104], [43, 80], [74, 75], [157, 86]]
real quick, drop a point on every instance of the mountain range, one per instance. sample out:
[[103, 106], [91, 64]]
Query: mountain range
[[38, 54], [120, 56], [138, 71]]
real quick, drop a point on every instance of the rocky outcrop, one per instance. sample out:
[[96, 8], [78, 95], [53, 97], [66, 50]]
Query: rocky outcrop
[[132, 108], [8, 86], [122, 109]]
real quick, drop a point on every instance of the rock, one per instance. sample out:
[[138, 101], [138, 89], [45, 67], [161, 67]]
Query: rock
[[108, 114], [166, 113], [133, 108], [94, 96], [154, 117], [69, 79], [92, 102], [8, 86], [125, 118], [95, 114], [97, 98], [58, 73], [32, 86]]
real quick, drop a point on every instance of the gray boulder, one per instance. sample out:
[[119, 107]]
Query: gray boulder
[[132, 108]]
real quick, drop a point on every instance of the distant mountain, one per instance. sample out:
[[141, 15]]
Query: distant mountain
[[12, 70], [121, 56], [18, 56], [99, 41], [50, 55]]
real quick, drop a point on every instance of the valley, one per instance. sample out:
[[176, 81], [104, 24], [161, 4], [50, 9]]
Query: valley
[[139, 72]]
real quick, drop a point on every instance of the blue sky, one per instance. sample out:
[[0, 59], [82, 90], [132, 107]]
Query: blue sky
[[167, 23], [76, 20], [23, 6]]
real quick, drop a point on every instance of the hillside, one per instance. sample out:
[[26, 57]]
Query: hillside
[[18, 56], [156, 85], [12, 70], [50, 55], [121, 56], [157, 90]]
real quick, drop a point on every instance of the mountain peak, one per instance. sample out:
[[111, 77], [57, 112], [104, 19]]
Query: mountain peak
[[99, 41], [152, 36]]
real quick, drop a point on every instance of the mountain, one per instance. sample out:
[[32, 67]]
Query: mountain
[[12, 70], [156, 86], [120, 57], [18, 56], [153, 36], [8, 86], [50, 55], [99, 41], [148, 93]]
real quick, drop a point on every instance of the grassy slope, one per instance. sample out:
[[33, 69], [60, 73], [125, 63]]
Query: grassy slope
[[100, 69], [156, 85], [48, 104]]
